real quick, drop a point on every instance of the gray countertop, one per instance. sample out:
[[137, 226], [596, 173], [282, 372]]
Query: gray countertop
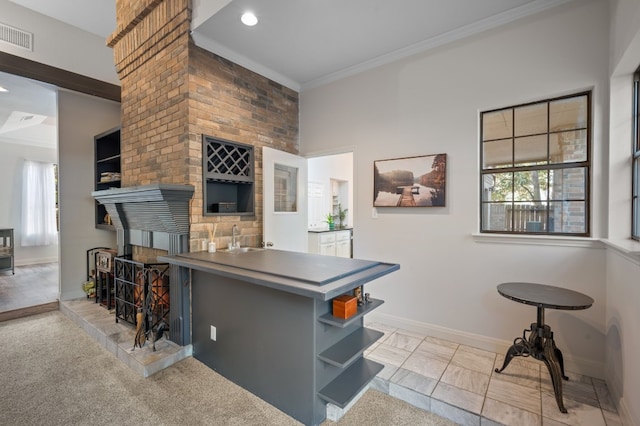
[[310, 275]]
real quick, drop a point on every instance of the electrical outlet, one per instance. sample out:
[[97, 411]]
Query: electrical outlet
[[374, 213], [213, 333]]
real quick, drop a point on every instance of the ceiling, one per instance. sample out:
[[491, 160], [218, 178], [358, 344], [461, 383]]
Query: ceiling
[[28, 112], [303, 43]]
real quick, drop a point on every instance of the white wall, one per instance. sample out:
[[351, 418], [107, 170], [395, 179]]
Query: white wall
[[430, 104], [57, 44], [12, 158], [80, 118], [623, 257]]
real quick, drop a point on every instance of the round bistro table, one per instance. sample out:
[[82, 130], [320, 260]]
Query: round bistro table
[[539, 344]]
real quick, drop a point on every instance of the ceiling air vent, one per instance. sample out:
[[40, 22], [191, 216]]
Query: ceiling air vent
[[16, 37]]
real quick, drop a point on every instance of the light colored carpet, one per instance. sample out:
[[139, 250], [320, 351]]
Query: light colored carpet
[[53, 373]]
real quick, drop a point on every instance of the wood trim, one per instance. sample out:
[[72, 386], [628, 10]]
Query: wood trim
[[65, 79], [29, 311]]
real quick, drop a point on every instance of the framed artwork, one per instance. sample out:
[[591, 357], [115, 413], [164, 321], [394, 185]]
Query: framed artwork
[[410, 182]]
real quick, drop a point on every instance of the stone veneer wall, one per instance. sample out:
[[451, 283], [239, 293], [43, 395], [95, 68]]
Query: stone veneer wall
[[173, 92]]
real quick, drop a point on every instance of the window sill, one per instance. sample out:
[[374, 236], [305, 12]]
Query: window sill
[[541, 240], [626, 246]]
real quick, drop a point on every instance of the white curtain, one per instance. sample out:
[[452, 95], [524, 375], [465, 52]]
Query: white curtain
[[38, 204]]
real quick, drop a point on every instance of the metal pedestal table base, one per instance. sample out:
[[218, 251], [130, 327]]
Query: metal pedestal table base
[[541, 346]]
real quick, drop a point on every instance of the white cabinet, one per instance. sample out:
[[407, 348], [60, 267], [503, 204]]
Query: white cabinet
[[343, 243], [330, 243]]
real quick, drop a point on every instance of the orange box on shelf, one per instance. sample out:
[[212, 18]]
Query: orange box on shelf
[[345, 306]]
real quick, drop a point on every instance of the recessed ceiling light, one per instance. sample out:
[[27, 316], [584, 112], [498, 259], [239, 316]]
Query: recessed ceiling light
[[2, 89], [249, 19]]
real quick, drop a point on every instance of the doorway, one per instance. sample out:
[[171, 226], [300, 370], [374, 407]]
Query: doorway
[[331, 190], [28, 131], [325, 187]]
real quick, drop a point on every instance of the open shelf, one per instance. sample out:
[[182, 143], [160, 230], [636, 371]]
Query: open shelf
[[348, 349], [342, 323], [347, 385], [107, 164], [228, 177]]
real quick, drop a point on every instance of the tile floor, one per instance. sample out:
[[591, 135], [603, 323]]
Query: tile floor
[[458, 382]]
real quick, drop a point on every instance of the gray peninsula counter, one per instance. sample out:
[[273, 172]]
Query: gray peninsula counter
[[263, 319]]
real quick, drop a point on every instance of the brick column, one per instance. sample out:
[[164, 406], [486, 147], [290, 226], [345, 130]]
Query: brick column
[[173, 92], [151, 52]]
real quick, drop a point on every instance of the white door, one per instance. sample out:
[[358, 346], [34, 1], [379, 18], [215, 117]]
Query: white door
[[284, 197]]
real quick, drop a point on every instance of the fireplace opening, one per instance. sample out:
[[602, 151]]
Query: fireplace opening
[[142, 295]]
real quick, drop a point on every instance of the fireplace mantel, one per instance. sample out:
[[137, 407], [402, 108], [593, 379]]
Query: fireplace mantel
[[155, 216], [155, 207]]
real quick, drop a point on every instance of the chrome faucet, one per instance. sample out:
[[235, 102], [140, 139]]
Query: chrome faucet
[[234, 237]]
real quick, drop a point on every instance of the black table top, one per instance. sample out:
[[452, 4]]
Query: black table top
[[545, 296]]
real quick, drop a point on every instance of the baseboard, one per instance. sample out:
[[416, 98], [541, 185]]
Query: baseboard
[[572, 363]]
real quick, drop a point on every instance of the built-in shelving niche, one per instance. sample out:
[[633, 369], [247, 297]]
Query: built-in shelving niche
[[107, 170], [228, 177]]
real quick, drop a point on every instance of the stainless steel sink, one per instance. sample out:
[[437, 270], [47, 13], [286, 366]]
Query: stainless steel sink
[[239, 250]]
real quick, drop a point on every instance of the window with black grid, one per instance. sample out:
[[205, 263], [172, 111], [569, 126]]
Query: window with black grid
[[535, 167]]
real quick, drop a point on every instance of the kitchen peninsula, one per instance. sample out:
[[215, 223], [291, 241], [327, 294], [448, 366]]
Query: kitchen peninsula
[[263, 319]]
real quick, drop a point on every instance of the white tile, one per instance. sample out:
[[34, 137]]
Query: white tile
[[474, 359], [521, 373], [389, 355], [455, 414], [550, 422], [403, 341], [578, 414], [604, 397], [410, 396], [414, 381], [420, 363], [419, 335], [578, 388], [509, 393], [612, 419], [457, 397], [508, 415], [466, 379], [436, 351], [441, 342]]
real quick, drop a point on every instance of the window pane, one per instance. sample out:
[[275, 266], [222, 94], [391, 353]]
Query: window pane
[[568, 184], [497, 154], [530, 185], [497, 124], [527, 217], [497, 187], [568, 147], [494, 216], [568, 217], [286, 188], [569, 113], [531, 120], [531, 150]]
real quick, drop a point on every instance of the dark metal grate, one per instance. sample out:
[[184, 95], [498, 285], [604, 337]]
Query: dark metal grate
[[228, 159], [141, 287]]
